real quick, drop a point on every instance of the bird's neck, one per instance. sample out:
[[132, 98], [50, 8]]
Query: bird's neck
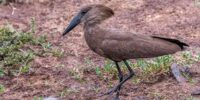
[[90, 29], [91, 23], [91, 34], [90, 26]]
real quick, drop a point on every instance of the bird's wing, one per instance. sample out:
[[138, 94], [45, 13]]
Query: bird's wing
[[129, 45]]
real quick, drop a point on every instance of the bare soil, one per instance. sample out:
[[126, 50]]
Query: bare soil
[[51, 76]]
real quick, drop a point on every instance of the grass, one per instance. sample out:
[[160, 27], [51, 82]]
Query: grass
[[187, 58], [157, 95], [109, 67], [77, 74], [4, 1], [14, 1], [98, 71], [14, 52], [199, 57], [95, 89], [152, 70], [68, 91], [18, 49], [2, 89], [197, 3], [191, 98], [38, 98], [149, 70], [56, 52]]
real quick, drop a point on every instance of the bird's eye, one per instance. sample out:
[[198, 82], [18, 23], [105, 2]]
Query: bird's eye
[[83, 12]]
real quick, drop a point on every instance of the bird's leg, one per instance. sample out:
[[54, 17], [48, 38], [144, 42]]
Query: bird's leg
[[131, 73], [120, 76]]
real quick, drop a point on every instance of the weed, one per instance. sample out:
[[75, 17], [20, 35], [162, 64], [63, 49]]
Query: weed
[[136, 80], [98, 71], [199, 57], [3, 1], [67, 91], [13, 55], [95, 89], [33, 26], [110, 68], [24, 69], [189, 78], [15, 1], [38, 98], [46, 46], [1, 72], [40, 40], [157, 95], [151, 70], [148, 70], [141, 63], [88, 61], [57, 52], [187, 57], [16, 49], [191, 98], [2, 89], [77, 74]]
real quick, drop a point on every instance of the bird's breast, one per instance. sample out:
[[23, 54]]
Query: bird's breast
[[94, 40], [95, 45]]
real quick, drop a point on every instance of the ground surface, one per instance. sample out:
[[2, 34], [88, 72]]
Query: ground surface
[[53, 76]]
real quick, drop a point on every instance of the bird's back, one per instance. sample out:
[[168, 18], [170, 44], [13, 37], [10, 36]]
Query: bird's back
[[124, 45]]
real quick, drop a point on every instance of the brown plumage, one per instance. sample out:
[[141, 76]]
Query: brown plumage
[[118, 45]]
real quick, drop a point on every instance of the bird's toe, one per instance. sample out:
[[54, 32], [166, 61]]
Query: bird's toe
[[111, 91], [117, 97]]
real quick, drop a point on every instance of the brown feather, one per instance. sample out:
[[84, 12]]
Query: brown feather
[[123, 45], [119, 45]]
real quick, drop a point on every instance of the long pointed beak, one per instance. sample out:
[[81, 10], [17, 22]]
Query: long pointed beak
[[75, 21]]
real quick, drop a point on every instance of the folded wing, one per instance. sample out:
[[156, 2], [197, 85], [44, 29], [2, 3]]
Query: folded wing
[[130, 46]]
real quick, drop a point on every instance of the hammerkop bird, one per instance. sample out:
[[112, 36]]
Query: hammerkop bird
[[117, 45]]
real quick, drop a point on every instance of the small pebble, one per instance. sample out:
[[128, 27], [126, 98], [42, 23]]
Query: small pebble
[[50, 98], [196, 92]]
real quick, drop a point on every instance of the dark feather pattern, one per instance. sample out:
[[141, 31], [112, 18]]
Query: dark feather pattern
[[179, 43]]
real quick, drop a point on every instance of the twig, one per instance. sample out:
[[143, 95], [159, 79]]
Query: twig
[[13, 9]]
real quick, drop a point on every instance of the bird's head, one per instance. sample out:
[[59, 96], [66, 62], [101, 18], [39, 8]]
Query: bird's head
[[90, 16]]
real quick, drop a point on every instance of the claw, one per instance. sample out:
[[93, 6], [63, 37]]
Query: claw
[[117, 97], [111, 91]]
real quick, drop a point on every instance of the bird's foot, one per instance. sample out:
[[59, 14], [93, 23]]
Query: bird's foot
[[117, 97], [111, 91]]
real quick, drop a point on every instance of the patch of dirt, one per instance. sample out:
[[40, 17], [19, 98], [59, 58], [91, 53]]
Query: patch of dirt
[[51, 76]]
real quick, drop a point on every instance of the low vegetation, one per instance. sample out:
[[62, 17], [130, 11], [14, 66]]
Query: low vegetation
[[14, 1], [149, 70], [2, 89], [15, 51], [18, 49]]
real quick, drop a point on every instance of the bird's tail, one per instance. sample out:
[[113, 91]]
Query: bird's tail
[[179, 43]]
